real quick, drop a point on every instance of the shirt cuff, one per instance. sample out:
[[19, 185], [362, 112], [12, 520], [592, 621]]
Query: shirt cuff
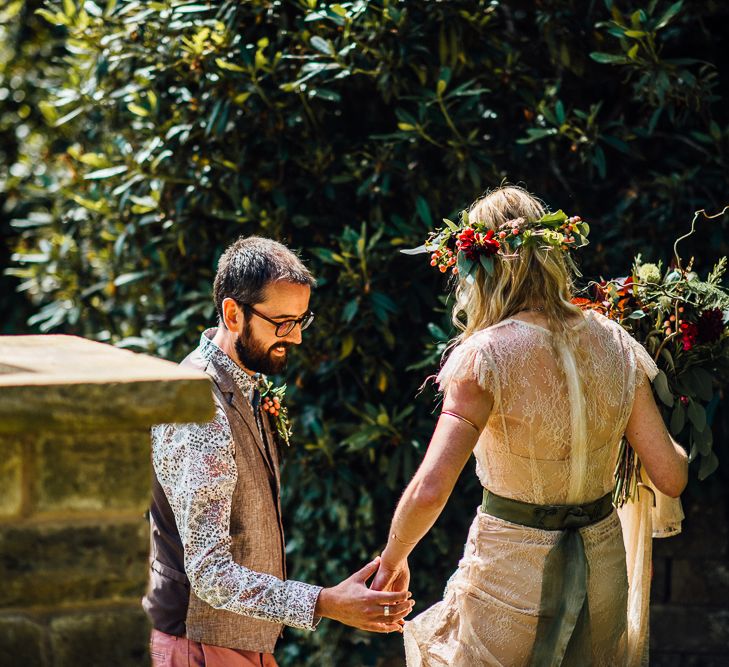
[[301, 602]]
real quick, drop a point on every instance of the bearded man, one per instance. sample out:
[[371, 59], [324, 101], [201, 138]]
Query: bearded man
[[218, 593]]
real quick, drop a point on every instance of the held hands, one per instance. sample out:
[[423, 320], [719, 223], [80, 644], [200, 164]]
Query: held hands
[[392, 577], [352, 603]]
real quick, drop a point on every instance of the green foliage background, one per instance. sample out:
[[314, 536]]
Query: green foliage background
[[157, 132]]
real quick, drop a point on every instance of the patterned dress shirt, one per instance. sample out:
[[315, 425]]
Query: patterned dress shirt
[[195, 464]]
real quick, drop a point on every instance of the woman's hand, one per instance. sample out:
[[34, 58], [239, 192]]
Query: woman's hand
[[352, 603], [392, 577]]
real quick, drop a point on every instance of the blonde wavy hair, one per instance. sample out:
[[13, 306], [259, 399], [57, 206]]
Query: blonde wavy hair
[[536, 278]]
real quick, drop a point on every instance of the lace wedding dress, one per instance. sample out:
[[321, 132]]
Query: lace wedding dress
[[559, 413]]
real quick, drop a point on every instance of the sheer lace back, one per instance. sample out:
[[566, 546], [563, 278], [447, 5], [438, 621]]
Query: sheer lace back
[[559, 411]]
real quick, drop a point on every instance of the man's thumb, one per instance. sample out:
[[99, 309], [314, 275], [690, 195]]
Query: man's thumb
[[368, 570]]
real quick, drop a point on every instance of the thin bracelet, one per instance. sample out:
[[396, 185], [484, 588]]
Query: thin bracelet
[[397, 539], [463, 419]]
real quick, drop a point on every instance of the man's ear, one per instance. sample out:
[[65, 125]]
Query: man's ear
[[232, 315]]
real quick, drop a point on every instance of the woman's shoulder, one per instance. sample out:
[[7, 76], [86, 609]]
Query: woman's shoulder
[[625, 344], [602, 320], [611, 327], [492, 334], [503, 336]]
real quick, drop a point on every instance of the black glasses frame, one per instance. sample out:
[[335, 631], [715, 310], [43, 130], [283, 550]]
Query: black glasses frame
[[284, 328]]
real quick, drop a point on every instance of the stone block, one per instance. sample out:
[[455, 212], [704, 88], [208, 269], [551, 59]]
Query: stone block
[[660, 582], [22, 642], [700, 582], [52, 564], [106, 471], [11, 476], [718, 660], [695, 630], [662, 659], [705, 531], [66, 383], [102, 638]]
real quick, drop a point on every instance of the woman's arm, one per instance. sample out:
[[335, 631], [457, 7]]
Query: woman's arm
[[665, 461], [424, 498]]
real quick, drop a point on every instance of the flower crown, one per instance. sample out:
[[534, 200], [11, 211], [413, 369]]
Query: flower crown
[[463, 249]]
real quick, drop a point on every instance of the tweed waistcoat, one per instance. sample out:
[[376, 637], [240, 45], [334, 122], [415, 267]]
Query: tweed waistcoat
[[256, 532]]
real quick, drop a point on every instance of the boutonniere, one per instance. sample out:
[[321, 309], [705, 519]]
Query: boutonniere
[[272, 403]]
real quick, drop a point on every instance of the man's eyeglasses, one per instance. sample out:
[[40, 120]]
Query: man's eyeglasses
[[287, 326]]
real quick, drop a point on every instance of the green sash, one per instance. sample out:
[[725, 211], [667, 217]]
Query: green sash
[[563, 630]]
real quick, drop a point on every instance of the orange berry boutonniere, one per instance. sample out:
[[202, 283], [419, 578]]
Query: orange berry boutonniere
[[272, 405]]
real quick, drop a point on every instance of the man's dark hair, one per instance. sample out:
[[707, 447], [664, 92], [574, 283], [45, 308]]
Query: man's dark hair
[[249, 265]]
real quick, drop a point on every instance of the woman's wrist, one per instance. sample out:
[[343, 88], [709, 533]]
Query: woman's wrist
[[390, 559]]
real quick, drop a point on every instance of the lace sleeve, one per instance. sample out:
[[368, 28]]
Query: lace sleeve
[[471, 360], [644, 365], [644, 361]]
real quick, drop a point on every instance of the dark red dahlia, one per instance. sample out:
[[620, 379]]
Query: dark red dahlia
[[710, 325]]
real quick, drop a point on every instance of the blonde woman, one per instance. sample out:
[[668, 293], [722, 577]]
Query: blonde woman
[[543, 394]]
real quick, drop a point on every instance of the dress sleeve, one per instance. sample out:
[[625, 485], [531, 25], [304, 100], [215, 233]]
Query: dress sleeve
[[472, 361], [645, 365], [195, 464]]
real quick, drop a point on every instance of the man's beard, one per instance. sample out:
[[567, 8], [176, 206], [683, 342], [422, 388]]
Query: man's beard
[[255, 357]]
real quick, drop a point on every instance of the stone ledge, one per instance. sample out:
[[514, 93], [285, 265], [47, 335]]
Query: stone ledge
[[57, 382]]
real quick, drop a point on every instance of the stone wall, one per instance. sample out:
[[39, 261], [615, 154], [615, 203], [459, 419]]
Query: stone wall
[[690, 591], [74, 489]]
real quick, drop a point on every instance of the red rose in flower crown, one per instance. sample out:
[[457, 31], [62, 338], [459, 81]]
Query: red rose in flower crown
[[473, 244], [466, 243]]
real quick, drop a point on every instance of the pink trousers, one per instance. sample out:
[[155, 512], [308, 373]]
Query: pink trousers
[[170, 651]]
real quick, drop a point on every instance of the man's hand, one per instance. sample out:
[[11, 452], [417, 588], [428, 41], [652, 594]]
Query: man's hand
[[352, 603], [395, 577]]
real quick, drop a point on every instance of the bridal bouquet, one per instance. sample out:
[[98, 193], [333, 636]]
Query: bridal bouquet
[[683, 322]]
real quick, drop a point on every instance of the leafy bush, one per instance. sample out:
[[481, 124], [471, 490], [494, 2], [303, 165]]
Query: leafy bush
[[349, 130], [27, 50]]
